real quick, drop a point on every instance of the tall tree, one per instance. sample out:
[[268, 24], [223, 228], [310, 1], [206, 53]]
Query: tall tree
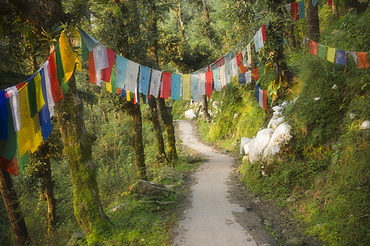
[[313, 24], [78, 153], [12, 207]]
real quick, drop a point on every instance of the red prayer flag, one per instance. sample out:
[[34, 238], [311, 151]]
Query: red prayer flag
[[362, 60], [166, 85], [294, 9], [92, 69], [54, 81], [255, 74], [313, 47], [330, 2], [220, 62], [239, 58], [263, 32], [209, 78], [106, 72], [264, 99]]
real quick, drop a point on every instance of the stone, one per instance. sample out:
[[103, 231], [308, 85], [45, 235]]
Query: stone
[[146, 189], [77, 239], [294, 242]]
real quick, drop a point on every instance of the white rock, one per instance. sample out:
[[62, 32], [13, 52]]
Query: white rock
[[279, 138], [243, 141], [365, 125], [190, 114], [258, 144]]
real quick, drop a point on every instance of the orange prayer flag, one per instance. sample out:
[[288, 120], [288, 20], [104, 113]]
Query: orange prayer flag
[[362, 60]]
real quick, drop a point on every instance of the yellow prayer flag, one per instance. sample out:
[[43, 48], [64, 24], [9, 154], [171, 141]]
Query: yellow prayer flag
[[128, 96], [186, 94], [69, 57], [108, 87], [331, 54], [29, 136], [77, 48], [39, 94]]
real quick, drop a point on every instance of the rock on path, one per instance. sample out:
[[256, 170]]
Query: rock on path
[[210, 220]]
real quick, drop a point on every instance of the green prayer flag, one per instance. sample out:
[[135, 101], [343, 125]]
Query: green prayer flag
[[322, 52], [32, 97]]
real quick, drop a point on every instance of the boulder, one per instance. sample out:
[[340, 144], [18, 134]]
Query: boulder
[[146, 189], [258, 144]]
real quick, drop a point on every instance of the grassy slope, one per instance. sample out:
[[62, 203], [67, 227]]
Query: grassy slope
[[326, 166]]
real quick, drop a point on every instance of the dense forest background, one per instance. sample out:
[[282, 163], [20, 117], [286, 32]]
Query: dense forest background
[[80, 178]]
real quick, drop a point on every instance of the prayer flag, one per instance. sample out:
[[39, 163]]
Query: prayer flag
[[362, 60], [313, 47], [111, 86], [8, 148], [249, 54], [176, 86], [89, 41], [68, 56], [44, 113], [94, 77], [223, 76], [107, 72], [340, 57], [301, 9], [186, 88], [166, 85], [234, 67], [209, 79], [155, 83], [322, 51], [202, 84], [294, 11], [314, 3], [121, 67], [54, 83], [330, 2], [248, 77], [194, 80], [144, 79], [60, 70], [263, 33], [331, 54], [216, 79], [354, 55], [35, 95], [131, 75], [14, 106], [29, 136], [241, 78], [3, 116], [239, 58], [48, 94], [255, 75], [228, 68]]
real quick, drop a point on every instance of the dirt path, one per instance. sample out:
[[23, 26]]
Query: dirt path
[[214, 216]]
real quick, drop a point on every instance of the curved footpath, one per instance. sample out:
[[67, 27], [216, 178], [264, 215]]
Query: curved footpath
[[211, 218]]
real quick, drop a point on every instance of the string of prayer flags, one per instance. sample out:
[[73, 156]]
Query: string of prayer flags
[[176, 87], [155, 83], [186, 88], [338, 56]]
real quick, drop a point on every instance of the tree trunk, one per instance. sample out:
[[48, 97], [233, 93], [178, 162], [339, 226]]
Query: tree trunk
[[13, 209], [206, 114], [137, 127], [47, 188], [154, 118], [77, 150], [170, 129], [313, 25]]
